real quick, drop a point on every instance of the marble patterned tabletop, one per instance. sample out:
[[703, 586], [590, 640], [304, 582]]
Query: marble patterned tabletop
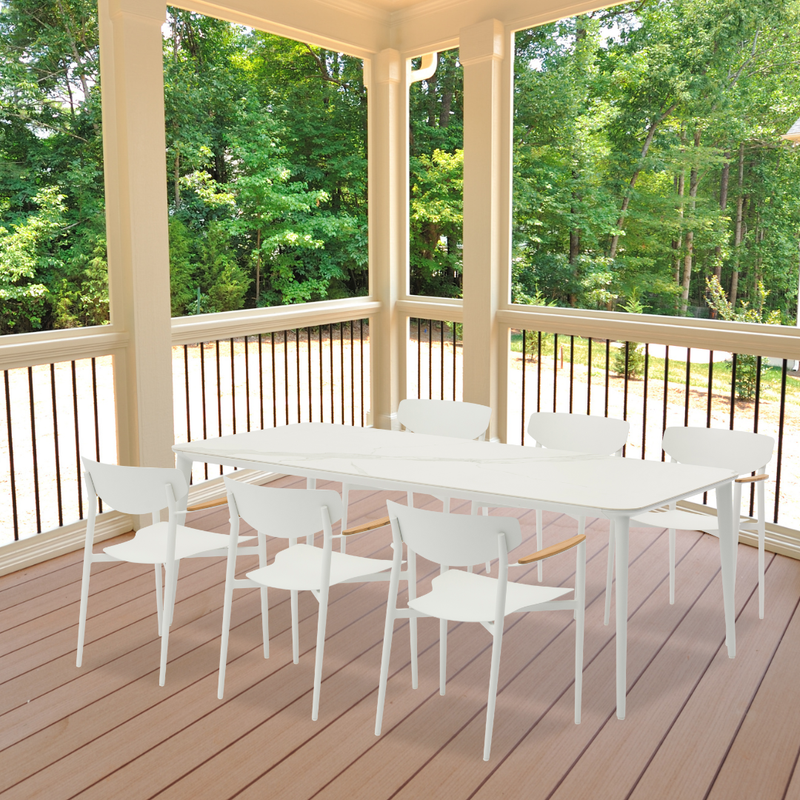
[[476, 470]]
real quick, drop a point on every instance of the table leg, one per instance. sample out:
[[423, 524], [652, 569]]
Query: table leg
[[184, 464], [621, 526], [728, 540]]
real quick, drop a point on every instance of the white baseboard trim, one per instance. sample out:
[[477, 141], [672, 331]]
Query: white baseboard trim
[[57, 542]]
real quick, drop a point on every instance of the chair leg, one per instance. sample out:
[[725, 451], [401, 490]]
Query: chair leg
[[493, 680], [169, 607], [580, 616], [159, 597], [761, 536], [539, 543], [345, 524], [87, 568], [321, 622], [442, 656], [609, 573], [295, 629], [412, 622], [391, 606], [672, 566], [230, 573], [262, 562]]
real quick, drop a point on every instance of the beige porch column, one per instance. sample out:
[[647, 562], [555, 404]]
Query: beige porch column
[[483, 48], [136, 222], [388, 231]]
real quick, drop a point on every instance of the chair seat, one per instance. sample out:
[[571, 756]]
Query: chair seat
[[149, 545], [467, 597], [678, 520], [293, 568]]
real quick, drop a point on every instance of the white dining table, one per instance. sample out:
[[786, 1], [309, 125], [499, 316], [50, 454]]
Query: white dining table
[[492, 473]]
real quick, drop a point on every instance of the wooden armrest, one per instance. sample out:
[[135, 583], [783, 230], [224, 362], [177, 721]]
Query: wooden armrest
[[208, 504], [752, 478], [367, 526], [554, 550]]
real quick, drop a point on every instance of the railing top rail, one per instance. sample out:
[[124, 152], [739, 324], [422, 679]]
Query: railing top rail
[[52, 347], [207, 327], [778, 341], [439, 308]]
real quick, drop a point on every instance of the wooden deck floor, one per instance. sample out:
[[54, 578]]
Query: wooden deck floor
[[699, 725]]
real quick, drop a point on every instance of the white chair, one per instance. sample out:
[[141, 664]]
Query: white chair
[[290, 514], [740, 451], [144, 490], [599, 436], [456, 540], [451, 418]]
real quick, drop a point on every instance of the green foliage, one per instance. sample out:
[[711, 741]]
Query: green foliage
[[747, 370], [628, 358]]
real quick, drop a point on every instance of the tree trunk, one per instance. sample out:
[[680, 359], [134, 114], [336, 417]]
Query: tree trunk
[[741, 201], [612, 251], [723, 202], [677, 244], [694, 180], [258, 265]]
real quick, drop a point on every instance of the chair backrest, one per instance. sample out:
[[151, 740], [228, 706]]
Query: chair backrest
[[598, 436], [456, 540], [445, 418], [135, 490], [283, 513], [741, 451]]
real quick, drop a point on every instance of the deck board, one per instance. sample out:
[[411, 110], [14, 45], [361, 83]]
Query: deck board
[[699, 724]]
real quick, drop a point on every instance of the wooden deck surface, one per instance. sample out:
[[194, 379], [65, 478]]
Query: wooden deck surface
[[699, 725]]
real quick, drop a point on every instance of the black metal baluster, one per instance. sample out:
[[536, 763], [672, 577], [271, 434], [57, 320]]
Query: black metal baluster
[[710, 392], [625, 392], [12, 476], [608, 371], [352, 377], [203, 382], [419, 358], [310, 389], [341, 367], [522, 421], [330, 347], [218, 392], [666, 398], [644, 392], [274, 384], [733, 388], [781, 423], [688, 375], [79, 466], [233, 387], [454, 324], [589, 379], [441, 355], [96, 420], [755, 427], [539, 372], [361, 334], [571, 369], [555, 370], [186, 387], [297, 359], [247, 378], [261, 378], [286, 374], [321, 379], [36, 497], [430, 359], [56, 444]]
